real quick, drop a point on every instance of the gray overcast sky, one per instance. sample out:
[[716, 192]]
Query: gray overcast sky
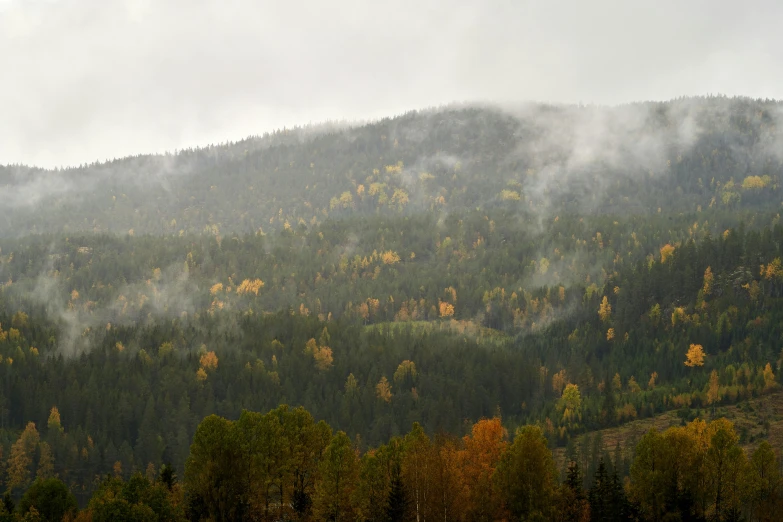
[[96, 79]]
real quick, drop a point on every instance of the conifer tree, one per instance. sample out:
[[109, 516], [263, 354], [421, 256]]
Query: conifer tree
[[398, 504]]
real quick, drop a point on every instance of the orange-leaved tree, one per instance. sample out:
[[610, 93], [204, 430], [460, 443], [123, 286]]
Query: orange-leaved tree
[[478, 461]]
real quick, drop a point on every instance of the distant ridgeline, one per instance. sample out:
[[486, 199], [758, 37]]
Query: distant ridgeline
[[573, 268], [536, 161]]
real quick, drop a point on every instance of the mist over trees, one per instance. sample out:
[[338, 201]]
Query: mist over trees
[[559, 269], [533, 159]]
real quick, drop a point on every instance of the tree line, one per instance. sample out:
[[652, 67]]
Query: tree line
[[283, 465]]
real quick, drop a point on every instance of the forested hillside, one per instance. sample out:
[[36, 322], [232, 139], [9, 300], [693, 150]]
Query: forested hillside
[[537, 161], [565, 267]]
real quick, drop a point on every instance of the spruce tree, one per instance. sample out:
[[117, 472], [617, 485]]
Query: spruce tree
[[574, 479], [397, 504], [600, 496]]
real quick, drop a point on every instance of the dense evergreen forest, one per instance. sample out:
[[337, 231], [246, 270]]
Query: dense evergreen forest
[[562, 268]]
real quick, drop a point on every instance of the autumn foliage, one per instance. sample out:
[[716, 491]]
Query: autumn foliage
[[695, 356], [322, 355], [383, 390], [605, 310], [250, 286], [667, 251], [209, 361], [446, 309], [693, 470]]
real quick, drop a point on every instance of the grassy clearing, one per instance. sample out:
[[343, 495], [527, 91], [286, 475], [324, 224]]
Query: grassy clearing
[[755, 420], [466, 329]]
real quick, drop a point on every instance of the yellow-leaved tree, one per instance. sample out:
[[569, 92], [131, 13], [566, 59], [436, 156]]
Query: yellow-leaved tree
[[666, 252], [769, 378], [45, 462], [249, 286], [21, 458], [53, 423], [571, 403], [405, 369], [713, 388], [695, 356], [390, 257], [351, 385], [383, 389], [559, 381], [706, 288], [322, 355], [605, 310]]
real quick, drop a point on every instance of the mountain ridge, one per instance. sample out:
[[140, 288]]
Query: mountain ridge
[[539, 160]]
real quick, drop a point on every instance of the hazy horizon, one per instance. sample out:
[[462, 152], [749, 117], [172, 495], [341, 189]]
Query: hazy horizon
[[341, 124], [92, 81]]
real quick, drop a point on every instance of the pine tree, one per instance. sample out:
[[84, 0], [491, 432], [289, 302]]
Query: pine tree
[[600, 495], [397, 505], [610, 404], [619, 465], [168, 476], [574, 479], [301, 502], [573, 504], [620, 508], [607, 497], [7, 504]]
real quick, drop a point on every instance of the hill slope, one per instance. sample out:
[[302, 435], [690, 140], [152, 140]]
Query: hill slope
[[551, 264], [538, 160]]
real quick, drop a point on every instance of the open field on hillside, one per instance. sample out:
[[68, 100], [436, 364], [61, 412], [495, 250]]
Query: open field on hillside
[[755, 420]]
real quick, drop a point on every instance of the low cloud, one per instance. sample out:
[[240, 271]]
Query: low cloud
[[95, 80]]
